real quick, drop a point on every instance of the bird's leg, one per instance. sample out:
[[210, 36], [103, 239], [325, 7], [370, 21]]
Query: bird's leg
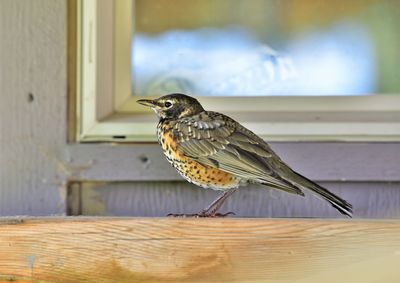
[[211, 210]]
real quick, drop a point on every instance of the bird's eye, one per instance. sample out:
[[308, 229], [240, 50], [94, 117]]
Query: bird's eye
[[167, 104]]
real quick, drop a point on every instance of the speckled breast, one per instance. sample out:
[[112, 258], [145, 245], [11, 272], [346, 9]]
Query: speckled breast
[[190, 169]]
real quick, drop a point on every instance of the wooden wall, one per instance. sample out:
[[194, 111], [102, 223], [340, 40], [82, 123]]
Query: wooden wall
[[33, 91], [158, 199], [37, 164]]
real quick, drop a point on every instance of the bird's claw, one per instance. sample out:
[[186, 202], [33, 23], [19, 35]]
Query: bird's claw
[[202, 214], [208, 214]]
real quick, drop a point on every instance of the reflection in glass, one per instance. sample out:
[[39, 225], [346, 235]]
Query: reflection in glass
[[266, 47]]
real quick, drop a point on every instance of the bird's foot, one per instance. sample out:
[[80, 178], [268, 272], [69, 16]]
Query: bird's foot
[[180, 215], [202, 214], [205, 214]]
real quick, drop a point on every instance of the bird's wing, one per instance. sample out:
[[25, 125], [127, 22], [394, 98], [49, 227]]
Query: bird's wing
[[216, 140]]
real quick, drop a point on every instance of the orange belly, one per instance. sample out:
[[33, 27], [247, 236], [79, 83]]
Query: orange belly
[[194, 172]]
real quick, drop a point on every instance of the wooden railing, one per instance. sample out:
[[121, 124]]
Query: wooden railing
[[198, 250]]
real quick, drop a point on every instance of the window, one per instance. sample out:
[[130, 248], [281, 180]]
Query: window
[[267, 47], [319, 71]]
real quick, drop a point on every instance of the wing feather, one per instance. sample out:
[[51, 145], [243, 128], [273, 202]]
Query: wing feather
[[215, 140]]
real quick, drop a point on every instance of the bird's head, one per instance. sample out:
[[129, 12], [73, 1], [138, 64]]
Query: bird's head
[[173, 106]]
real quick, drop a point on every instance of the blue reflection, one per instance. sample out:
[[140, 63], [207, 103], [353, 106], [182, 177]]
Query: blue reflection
[[231, 62]]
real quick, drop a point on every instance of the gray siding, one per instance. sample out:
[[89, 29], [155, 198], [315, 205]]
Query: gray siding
[[33, 87], [370, 200]]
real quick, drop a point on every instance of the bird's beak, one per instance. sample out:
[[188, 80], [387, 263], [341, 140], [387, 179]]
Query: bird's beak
[[147, 102]]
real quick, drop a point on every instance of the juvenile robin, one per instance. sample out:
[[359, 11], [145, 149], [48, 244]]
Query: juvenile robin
[[213, 151]]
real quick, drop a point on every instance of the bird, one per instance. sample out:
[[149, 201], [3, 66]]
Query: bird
[[213, 151]]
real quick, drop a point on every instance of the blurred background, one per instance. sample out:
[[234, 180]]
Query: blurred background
[[266, 47]]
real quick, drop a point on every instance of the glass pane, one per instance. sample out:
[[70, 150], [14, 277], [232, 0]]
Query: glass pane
[[266, 47]]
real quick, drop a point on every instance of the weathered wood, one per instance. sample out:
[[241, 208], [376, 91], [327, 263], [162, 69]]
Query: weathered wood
[[199, 250]]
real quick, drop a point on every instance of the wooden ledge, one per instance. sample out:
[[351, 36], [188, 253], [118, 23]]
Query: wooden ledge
[[198, 250]]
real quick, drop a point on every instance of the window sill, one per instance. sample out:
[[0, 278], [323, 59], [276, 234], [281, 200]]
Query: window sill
[[289, 125]]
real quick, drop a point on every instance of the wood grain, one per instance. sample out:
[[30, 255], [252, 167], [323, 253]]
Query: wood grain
[[199, 250]]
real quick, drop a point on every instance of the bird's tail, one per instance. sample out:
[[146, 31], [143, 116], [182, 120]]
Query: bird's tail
[[340, 204]]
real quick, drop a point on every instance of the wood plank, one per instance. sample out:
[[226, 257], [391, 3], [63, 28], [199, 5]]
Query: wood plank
[[157, 199], [199, 250], [318, 161]]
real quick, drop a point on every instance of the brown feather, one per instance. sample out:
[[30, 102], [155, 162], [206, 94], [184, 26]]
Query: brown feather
[[216, 140]]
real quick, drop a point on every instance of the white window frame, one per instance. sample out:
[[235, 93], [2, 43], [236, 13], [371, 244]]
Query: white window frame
[[107, 111]]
